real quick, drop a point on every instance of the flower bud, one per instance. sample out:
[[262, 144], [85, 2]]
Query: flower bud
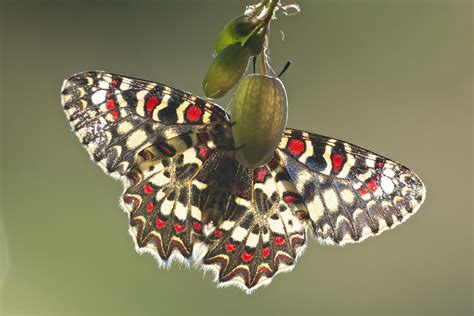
[[226, 70], [256, 42], [236, 31], [259, 112]]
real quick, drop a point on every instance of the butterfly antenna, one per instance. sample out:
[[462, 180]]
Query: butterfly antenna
[[254, 60], [231, 147], [287, 65], [240, 147]]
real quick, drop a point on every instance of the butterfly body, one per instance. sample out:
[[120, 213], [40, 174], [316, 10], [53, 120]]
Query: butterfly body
[[189, 199]]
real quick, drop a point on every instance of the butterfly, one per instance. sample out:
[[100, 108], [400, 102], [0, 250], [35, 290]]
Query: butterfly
[[189, 200]]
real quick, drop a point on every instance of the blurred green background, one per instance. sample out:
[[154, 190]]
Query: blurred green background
[[392, 76]]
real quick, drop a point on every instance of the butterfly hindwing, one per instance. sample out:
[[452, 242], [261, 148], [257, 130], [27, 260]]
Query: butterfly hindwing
[[260, 234], [161, 197], [349, 192]]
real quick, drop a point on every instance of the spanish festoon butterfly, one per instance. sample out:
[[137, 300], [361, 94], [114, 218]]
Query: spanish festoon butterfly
[[188, 198]]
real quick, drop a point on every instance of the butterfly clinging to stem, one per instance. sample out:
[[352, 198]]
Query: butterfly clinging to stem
[[188, 198]]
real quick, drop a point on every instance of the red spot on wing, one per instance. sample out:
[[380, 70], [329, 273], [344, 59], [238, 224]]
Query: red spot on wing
[[337, 162], [279, 241], [151, 103], [290, 198], [265, 252], [230, 247], [381, 164], [372, 184], [193, 113], [110, 104], [260, 174], [149, 207], [197, 226], [147, 189], [159, 223], [178, 228], [203, 151], [115, 115], [218, 233], [147, 155], [296, 146], [246, 257], [115, 82], [165, 150]]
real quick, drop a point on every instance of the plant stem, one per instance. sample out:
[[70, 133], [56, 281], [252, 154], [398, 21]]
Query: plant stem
[[262, 65], [269, 6]]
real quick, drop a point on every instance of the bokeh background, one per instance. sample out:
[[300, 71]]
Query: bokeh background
[[392, 76]]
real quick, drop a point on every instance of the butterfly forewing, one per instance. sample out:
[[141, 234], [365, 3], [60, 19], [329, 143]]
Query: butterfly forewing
[[350, 193], [189, 199], [115, 116]]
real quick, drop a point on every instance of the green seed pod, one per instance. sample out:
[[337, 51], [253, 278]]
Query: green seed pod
[[259, 111], [256, 42], [236, 31], [225, 71]]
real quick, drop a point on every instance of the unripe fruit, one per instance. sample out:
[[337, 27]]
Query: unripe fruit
[[225, 71], [259, 112]]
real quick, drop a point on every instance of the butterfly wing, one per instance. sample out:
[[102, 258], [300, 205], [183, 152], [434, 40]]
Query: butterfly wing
[[349, 193], [260, 234], [162, 197], [115, 117], [153, 138]]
